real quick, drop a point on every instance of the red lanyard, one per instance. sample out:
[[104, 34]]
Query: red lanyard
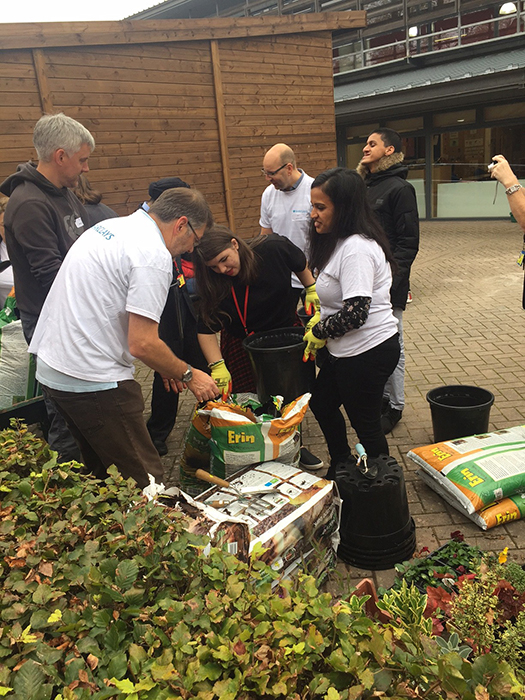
[[241, 316]]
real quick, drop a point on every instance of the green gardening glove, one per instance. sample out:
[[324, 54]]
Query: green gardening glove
[[221, 377], [313, 344], [311, 300]]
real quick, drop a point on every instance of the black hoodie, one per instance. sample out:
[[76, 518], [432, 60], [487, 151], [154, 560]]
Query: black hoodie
[[41, 224]]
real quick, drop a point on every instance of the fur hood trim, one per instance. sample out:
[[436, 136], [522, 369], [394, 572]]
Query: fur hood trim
[[383, 163]]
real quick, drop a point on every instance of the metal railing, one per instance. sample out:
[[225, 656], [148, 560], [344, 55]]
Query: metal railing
[[354, 56]]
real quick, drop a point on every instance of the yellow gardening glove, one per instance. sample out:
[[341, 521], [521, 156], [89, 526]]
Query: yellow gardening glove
[[314, 320], [313, 344], [221, 377], [311, 300]]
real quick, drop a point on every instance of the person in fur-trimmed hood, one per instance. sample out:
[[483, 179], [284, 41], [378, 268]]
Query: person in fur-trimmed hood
[[394, 202]]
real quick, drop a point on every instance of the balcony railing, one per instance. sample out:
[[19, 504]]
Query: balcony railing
[[354, 55]]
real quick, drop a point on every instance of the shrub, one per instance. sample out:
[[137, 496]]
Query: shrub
[[106, 596]]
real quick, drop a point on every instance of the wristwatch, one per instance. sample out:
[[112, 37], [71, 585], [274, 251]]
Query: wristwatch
[[188, 375], [513, 188]]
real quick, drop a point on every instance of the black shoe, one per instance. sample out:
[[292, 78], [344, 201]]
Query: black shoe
[[341, 467], [390, 419], [161, 447], [309, 461]]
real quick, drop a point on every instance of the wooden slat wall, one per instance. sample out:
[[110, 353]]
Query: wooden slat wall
[[276, 89], [20, 108], [152, 109]]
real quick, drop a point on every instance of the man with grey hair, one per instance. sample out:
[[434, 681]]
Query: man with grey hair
[[42, 221], [102, 312]]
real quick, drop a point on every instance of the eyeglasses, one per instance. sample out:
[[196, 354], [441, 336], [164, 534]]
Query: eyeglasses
[[196, 239], [271, 173]]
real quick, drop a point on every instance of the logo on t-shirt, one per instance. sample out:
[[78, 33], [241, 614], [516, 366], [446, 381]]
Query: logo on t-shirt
[[104, 232], [300, 214]]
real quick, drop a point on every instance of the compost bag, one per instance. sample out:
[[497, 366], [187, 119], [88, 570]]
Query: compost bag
[[225, 436], [483, 475]]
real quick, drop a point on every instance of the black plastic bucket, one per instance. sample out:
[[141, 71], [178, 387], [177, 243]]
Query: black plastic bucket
[[459, 411], [277, 361], [304, 317], [376, 529]]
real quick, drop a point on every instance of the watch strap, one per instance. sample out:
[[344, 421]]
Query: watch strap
[[513, 188]]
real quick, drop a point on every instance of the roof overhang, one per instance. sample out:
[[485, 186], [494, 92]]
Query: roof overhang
[[52, 34], [491, 79]]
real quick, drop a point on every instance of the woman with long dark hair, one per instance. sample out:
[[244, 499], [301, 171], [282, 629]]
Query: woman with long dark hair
[[349, 251], [244, 287]]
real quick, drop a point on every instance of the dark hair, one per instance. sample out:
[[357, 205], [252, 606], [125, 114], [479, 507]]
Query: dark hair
[[213, 287], [353, 215], [390, 138], [86, 193], [165, 183]]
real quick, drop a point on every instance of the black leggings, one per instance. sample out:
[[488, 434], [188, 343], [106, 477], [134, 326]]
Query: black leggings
[[357, 383]]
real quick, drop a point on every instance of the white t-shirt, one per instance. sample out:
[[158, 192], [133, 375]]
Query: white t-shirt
[[118, 266], [288, 214], [358, 268]]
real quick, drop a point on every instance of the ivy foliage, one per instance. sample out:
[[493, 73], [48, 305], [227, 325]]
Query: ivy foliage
[[103, 595]]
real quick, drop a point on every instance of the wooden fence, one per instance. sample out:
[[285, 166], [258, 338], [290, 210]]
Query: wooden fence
[[200, 99]]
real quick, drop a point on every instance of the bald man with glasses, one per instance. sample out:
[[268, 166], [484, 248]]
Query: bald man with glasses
[[285, 209], [285, 203]]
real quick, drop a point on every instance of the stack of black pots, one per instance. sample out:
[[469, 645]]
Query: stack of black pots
[[376, 529]]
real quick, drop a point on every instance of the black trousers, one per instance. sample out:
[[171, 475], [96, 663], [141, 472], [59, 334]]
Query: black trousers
[[178, 329], [356, 383]]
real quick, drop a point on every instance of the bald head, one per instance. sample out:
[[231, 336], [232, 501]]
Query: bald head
[[280, 167], [283, 153]]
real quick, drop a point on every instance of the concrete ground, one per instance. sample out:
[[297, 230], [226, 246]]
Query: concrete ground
[[465, 326]]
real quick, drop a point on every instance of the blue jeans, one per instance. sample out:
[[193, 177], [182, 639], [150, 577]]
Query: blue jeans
[[395, 387]]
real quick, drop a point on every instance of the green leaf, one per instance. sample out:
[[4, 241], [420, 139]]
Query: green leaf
[[25, 488], [383, 679], [29, 680], [125, 686], [332, 694], [26, 637], [126, 574], [55, 616], [101, 618], [118, 665]]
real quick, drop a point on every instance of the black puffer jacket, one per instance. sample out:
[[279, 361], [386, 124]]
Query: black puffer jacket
[[394, 201]]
